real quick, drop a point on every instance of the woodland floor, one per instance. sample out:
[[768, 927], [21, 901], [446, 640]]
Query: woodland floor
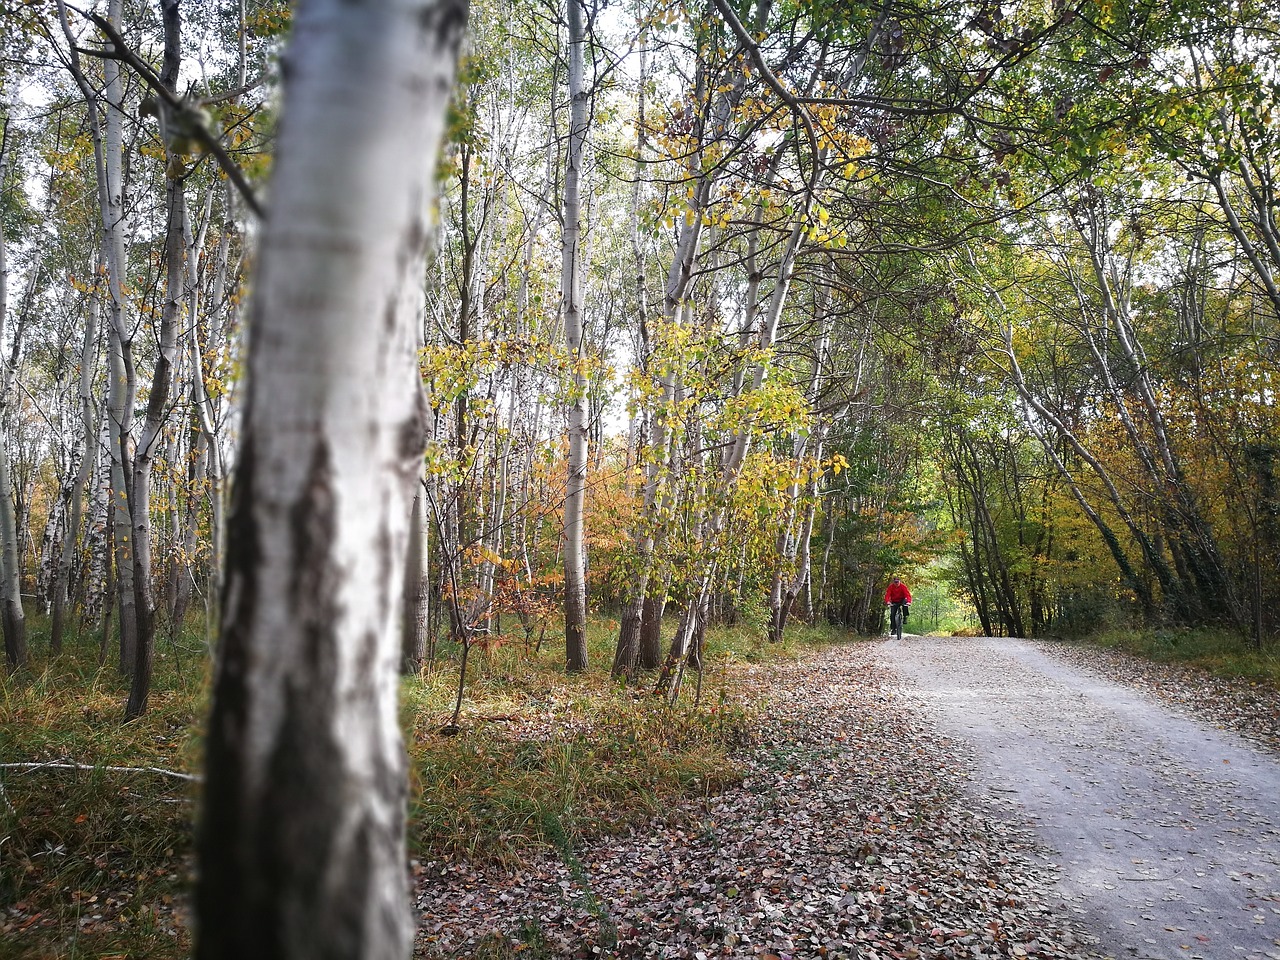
[[934, 798]]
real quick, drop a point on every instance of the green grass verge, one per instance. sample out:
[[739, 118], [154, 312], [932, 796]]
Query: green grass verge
[[1223, 653], [95, 862], [543, 759]]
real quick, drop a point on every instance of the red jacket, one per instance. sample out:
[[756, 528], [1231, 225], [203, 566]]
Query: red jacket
[[897, 593]]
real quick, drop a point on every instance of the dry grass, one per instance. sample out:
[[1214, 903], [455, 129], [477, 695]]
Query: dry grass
[[95, 863]]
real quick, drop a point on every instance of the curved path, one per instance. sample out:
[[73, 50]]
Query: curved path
[[1166, 830]]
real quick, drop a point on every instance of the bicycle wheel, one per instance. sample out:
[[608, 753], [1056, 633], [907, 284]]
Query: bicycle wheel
[[895, 620]]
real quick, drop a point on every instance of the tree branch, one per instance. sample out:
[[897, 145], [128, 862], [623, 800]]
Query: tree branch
[[121, 51], [63, 765], [776, 85]]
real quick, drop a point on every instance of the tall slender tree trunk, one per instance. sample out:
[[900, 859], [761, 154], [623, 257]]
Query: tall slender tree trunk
[[91, 590], [202, 406], [14, 619], [149, 441], [302, 845], [108, 149], [575, 546], [123, 384], [183, 572], [144, 459], [641, 624], [626, 652], [11, 615], [119, 420], [88, 460], [417, 589]]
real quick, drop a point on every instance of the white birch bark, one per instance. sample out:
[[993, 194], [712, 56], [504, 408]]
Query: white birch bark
[[149, 443], [641, 620], [107, 134], [88, 462], [302, 851], [182, 572], [119, 423], [15, 626], [94, 586], [11, 613], [122, 385], [796, 522], [575, 547], [151, 437], [417, 588], [206, 409], [772, 316]]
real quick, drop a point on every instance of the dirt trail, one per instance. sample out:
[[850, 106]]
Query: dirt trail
[[1166, 830]]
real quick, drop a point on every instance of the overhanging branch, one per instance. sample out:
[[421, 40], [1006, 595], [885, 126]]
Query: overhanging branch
[[121, 51]]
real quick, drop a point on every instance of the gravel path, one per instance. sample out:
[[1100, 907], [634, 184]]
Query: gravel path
[[1166, 829], [854, 834]]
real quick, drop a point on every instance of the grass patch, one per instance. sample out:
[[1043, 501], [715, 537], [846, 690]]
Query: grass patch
[[544, 759], [97, 864], [1223, 653]]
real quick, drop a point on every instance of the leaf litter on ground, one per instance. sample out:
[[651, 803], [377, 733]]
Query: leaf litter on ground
[[830, 835], [852, 834]]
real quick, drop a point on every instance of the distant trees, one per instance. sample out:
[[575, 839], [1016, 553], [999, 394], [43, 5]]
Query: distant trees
[[131, 295], [11, 613], [575, 544]]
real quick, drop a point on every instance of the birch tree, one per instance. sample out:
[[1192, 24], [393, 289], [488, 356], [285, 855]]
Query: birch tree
[[14, 621], [709, 120], [575, 567], [139, 498], [106, 130], [301, 846]]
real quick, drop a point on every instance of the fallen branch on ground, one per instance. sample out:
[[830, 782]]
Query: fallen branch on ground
[[63, 765]]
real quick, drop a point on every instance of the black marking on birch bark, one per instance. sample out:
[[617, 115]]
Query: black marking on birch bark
[[445, 20], [415, 236], [365, 687], [312, 527], [309, 904], [412, 435], [224, 845], [297, 913], [408, 257], [388, 554]]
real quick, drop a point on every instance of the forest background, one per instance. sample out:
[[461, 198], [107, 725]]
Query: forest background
[[731, 310]]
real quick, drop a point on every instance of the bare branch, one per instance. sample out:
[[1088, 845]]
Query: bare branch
[[65, 765], [121, 51], [753, 50]]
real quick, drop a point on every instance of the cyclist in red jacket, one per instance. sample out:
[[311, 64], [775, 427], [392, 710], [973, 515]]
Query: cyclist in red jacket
[[898, 598], [897, 592]]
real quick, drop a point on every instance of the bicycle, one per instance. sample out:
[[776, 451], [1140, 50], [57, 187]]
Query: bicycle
[[897, 616]]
